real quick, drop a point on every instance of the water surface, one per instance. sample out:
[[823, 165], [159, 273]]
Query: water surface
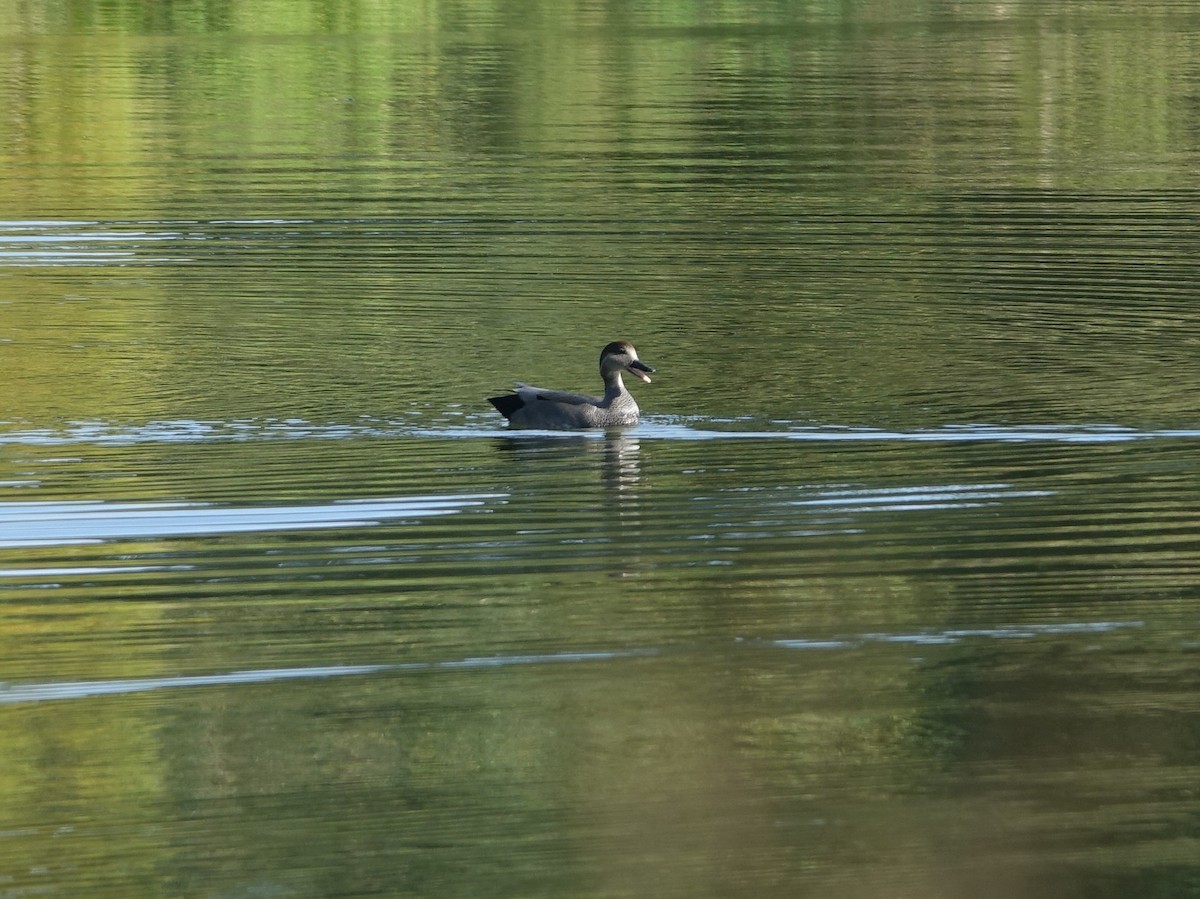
[[892, 592]]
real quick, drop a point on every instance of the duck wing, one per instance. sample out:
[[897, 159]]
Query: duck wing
[[530, 394]]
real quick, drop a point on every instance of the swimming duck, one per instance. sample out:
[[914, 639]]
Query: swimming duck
[[533, 407]]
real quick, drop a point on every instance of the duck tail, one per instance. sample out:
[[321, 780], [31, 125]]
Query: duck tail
[[507, 404]]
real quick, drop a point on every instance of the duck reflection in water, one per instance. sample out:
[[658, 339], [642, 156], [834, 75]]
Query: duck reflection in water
[[615, 456], [590, 484], [535, 407]]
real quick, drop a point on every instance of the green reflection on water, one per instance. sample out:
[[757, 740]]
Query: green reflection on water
[[369, 215], [228, 109]]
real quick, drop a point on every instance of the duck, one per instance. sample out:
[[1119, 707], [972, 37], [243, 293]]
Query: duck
[[533, 407]]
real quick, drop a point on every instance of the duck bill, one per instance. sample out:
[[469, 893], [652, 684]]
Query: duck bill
[[640, 370]]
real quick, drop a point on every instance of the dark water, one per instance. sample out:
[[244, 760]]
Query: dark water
[[895, 590]]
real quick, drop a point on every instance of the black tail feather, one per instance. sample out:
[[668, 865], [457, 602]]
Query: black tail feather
[[507, 404]]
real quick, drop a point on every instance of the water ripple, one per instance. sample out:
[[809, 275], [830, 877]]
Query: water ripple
[[16, 693], [36, 243], [659, 428], [11, 694], [24, 524], [958, 635]]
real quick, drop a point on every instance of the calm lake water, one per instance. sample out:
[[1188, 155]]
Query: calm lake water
[[894, 591]]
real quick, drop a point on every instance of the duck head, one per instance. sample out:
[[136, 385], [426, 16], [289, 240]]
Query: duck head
[[620, 356]]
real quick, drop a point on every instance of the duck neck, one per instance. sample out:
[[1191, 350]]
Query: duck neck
[[613, 385]]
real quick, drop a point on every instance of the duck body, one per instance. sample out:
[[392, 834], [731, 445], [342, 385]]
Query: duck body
[[535, 407]]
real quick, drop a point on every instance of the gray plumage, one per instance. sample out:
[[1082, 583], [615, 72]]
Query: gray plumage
[[535, 407]]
